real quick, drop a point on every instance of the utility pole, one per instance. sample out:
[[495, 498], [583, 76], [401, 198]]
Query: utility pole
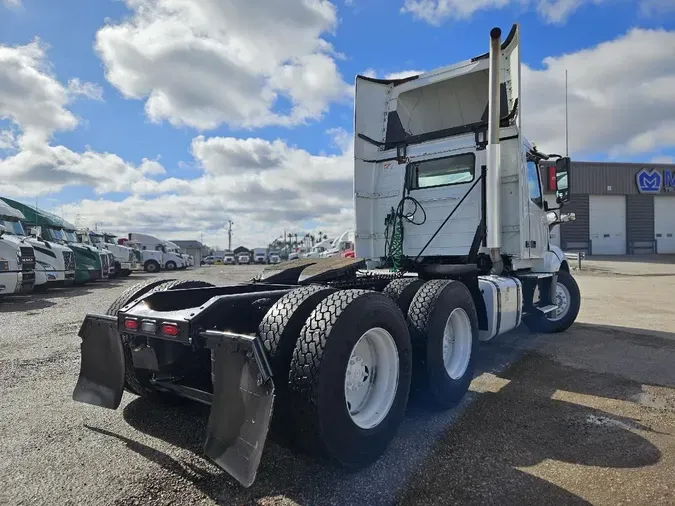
[[229, 235], [567, 141]]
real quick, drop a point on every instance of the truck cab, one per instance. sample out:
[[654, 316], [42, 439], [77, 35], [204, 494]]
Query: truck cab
[[125, 258], [243, 258], [55, 263], [17, 258], [163, 258]]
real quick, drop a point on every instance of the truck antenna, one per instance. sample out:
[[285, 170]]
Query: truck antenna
[[567, 141]]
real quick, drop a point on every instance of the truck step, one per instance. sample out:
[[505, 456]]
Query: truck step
[[534, 275], [548, 309]]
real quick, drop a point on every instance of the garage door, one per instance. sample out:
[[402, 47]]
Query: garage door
[[664, 224], [608, 224]]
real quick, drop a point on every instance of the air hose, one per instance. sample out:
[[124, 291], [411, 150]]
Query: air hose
[[393, 231]]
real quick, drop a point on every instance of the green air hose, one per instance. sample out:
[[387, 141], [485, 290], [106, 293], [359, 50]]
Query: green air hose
[[393, 232]]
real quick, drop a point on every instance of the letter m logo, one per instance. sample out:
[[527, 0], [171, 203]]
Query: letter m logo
[[668, 178], [649, 181]]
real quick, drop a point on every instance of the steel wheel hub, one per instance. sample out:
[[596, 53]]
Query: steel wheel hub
[[457, 343], [371, 378], [562, 300]]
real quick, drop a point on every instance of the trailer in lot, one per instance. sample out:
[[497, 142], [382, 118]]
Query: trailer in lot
[[451, 248]]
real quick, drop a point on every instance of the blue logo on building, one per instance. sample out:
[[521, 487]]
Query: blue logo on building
[[649, 181]]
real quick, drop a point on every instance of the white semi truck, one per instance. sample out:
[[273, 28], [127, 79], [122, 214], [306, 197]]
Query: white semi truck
[[125, 259], [17, 258], [169, 260], [260, 255], [149, 260], [55, 263], [451, 248]]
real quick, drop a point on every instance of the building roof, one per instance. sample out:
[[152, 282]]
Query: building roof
[[189, 244]]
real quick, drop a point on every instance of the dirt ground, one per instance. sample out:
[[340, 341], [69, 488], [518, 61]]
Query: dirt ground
[[587, 416]]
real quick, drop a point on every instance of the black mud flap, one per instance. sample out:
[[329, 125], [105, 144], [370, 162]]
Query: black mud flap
[[101, 380], [241, 409]]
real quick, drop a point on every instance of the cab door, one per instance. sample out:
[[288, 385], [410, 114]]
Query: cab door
[[537, 242]]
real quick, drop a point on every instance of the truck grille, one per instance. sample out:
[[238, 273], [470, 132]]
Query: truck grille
[[27, 260], [105, 263], [69, 260], [131, 256]]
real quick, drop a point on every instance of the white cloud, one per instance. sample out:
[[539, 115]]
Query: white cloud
[[36, 104], [11, 3], [202, 63], [30, 96], [91, 91], [620, 97], [435, 12], [657, 7], [401, 74], [264, 186]]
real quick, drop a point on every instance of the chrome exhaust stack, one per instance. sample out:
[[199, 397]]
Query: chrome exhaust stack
[[493, 183]]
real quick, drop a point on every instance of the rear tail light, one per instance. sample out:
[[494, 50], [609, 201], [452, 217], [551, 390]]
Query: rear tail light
[[131, 324], [169, 329]]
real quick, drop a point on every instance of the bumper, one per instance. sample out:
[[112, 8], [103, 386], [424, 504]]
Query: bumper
[[60, 278], [243, 390]]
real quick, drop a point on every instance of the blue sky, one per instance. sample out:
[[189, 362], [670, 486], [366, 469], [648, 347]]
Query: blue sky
[[365, 35]]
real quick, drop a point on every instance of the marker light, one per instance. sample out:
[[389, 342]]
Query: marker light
[[131, 324], [149, 327], [169, 329]]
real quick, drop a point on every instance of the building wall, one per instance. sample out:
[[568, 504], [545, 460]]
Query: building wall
[[574, 235], [604, 178]]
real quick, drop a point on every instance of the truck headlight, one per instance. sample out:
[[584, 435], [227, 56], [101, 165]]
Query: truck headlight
[[4, 265]]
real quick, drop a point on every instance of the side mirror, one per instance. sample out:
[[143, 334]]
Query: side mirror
[[562, 170], [3, 229], [33, 232]]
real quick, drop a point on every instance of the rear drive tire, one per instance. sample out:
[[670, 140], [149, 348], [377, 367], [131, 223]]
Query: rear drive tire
[[443, 327], [402, 291], [170, 265], [279, 331], [354, 347], [568, 298]]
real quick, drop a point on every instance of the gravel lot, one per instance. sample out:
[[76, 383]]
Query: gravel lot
[[583, 417]]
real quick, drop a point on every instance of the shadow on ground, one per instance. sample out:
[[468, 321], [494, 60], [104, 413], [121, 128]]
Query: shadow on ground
[[468, 455], [38, 300]]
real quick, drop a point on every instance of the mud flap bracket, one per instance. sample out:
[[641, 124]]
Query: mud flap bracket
[[242, 403], [101, 380]]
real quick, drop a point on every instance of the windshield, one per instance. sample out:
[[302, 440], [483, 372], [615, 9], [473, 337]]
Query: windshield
[[70, 236], [53, 234], [110, 239], [96, 239], [13, 227]]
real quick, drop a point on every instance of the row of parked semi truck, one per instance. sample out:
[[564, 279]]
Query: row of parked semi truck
[[39, 249]]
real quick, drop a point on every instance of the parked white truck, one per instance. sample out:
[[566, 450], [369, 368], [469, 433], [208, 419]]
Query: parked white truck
[[452, 248], [169, 260], [149, 260], [260, 255], [125, 259], [17, 258], [55, 263]]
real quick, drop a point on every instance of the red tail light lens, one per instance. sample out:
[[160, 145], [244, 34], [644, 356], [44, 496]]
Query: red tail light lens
[[131, 324], [169, 329]]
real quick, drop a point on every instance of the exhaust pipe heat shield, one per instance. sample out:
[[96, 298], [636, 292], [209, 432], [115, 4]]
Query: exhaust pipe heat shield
[[101, 380]]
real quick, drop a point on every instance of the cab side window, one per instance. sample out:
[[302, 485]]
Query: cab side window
[[534, 184]]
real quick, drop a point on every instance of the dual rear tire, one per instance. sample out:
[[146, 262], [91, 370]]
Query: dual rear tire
[[344, 362]]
